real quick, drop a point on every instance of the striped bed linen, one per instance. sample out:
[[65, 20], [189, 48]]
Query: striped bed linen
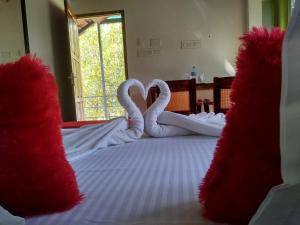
[[153, 181]]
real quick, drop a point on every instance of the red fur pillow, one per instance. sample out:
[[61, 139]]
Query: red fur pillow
[[247, 159], [35, 177]]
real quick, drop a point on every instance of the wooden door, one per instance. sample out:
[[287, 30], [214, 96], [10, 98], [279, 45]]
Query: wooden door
[[75, 75]]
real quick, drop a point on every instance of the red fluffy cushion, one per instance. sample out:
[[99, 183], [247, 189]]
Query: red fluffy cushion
[[247, 159], [35, 177]]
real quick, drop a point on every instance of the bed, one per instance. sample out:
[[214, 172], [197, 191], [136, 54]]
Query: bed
[[152, 181]]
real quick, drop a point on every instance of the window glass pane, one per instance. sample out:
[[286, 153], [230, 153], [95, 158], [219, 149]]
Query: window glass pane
[[100, 104]]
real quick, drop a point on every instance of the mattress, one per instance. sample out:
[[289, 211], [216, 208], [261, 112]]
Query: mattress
[[153, 181]]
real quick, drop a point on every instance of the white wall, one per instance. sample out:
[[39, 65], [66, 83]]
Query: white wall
[[218, 23], [40, 33], [48, 39], [11, 36]]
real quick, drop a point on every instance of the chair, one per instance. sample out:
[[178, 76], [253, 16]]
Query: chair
[[222, 90], [183, 96]]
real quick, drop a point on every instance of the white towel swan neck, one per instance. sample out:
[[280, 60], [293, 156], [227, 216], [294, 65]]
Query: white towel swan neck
[[136, 125], [152, 127], [114, 132], [160, 123]]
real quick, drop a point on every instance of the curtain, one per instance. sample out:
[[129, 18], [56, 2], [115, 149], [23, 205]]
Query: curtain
[[283, 13], [282, 205], [276, 13]]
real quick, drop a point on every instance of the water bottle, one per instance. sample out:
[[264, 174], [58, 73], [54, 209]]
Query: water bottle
[[193, 73]]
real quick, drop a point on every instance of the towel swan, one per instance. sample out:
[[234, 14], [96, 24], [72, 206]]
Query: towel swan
[[152, 127], [114, 132], [160, 123], [136, 124]]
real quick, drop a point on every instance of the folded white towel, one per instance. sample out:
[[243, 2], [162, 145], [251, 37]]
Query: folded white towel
[[203, 123], [160, 123], [116, 131], [8, 219]]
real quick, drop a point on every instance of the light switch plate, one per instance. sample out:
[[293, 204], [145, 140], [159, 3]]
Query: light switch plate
[[155, 43], [190, 44], [148, 52], [141, 43], [156, 52]]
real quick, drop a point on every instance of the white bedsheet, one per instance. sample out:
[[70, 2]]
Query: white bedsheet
[[8, 219], [148, 182]]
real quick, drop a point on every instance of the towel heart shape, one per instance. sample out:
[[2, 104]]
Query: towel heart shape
[[149, 121], [128, 103]]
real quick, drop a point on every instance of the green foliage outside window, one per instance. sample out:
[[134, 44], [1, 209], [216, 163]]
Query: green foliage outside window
[[114, 70]]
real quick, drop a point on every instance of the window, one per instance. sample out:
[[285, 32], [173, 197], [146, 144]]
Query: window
[[101, 42]]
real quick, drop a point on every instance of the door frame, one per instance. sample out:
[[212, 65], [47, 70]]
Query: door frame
[[25, 26], [79, 111], [86, 15]]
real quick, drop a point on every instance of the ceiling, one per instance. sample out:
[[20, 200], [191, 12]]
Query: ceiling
[[85, 23]]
